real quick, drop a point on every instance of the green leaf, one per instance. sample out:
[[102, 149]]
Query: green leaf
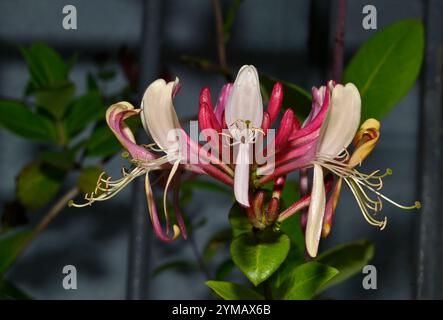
[[46, 66], [64, 160], [10, 245], [9, 291], [349, 259], [85, 110], [293, 260], [294, 96], [290, 193], [233, 291], [238, 220], [259, 255], [230, 17], [386, 66], [218, 240], [292, 227], [102, 142], [17, 118], [224, 269], [179, 264], [87, 180], [305, 281], [37, 184], [55, 100]]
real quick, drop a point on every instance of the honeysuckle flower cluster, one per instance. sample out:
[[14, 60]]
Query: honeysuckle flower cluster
[[242, 150]]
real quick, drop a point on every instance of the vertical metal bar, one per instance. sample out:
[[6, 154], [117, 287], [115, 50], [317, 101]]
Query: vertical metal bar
[[320, 34], [430, 251], [141, 234]]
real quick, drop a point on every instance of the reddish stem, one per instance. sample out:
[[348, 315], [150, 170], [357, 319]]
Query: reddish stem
[[339, 40]]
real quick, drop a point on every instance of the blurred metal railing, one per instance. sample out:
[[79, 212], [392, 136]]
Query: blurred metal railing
[[141, 233], [430, 247]]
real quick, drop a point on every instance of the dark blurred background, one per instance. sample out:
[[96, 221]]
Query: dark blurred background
[[288, 39]]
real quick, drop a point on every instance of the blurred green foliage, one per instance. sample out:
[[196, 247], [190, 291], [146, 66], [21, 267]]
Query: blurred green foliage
[[69, 128]]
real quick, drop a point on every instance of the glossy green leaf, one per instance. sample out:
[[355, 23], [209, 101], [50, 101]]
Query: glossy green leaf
[[37, 184], [292, 225], [349, 259], [293, 260], [293, 96], [85, 110], [238, 220], [18, 119], [55, 100], [259, 255], [233, 291], [219, 239], [87, 180], [8, 291], [305, 281], [386, 66], [290, 193], [11, 244], [46, 66]]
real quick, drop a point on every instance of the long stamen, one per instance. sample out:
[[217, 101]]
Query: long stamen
[[249, 137], [356, 181], [106, 189], [342, 170], [165, 194], [375, 205], [366, 215], [417, 204]]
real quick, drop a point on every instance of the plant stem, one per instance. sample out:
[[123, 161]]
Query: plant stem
[[62, 139], [221, 44], [206, 66], [49, 216], [339, 40]]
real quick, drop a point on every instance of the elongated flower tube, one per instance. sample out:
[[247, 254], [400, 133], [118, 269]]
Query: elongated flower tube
[[338, 130], [160, 120], [221, 102], [244, 115]]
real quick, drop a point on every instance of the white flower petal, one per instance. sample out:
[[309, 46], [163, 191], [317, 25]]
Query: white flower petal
[[245, 102], [241, 175], [158, 114], [316, 212], [342, 120]]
